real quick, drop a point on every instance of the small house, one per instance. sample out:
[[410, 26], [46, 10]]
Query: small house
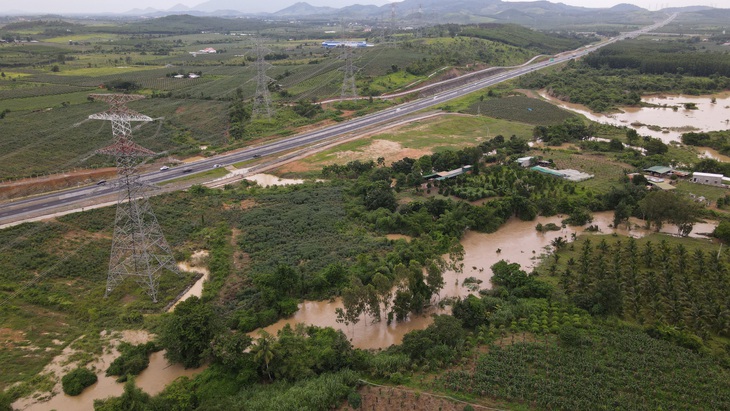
[[659, 171], [524, 161], [707, 178]]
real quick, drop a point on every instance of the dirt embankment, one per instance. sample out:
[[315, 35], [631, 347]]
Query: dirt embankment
[[386, 398], [31, 186]]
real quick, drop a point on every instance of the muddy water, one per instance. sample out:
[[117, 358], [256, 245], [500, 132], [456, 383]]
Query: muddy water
[[708, 152], [152, 380], [194, 266], [708, 117], [516, 241]]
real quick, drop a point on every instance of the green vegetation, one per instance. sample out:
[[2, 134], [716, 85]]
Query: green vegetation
[[618, 75], [719, 140], [592, 368], [654, 283], [523, 109], [134, 360], [78, 379]]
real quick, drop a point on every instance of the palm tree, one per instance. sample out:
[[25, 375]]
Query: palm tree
[[263, 351]]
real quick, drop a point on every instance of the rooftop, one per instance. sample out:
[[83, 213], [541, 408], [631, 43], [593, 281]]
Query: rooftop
[[658, 169]]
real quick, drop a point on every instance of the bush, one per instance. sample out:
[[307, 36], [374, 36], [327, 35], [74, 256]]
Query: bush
[[78, 379], [134, 359], [354, 399]]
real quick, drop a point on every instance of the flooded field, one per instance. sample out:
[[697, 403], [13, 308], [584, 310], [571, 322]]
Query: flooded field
[[516, 241], [668, 120], [152, 380]]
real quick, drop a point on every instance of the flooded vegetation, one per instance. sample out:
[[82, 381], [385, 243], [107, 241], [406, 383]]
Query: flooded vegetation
[[664, 117]]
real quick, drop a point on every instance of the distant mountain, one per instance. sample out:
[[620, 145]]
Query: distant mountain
[[243, 7], [304, 9], [179, 7], [626, 7]]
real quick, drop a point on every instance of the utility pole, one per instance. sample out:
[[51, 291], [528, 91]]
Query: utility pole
[[139, 249]]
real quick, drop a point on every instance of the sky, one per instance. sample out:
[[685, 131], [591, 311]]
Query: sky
[[96, 6]]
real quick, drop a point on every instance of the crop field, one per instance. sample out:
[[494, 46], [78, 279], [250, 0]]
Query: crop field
[[106, 71], [522, 109], [616, 368], [65, 139]]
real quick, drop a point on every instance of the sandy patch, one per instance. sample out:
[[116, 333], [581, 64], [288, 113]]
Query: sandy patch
[[10, 337], [390, 150]]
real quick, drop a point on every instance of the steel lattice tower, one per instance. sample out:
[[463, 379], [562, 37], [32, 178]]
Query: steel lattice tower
[[349, 89], [262, 98], [393, 25], [139, 248]]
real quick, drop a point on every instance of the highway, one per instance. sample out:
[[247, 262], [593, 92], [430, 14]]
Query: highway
[[48, 203]]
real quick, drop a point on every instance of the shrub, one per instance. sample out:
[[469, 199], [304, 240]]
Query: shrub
[[354, 399], [134, 359], [78, 379]]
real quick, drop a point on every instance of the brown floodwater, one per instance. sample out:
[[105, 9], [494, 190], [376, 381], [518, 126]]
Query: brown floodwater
[[152, 380], [708, 116], [194, 266], [708, 152], [516, 241]]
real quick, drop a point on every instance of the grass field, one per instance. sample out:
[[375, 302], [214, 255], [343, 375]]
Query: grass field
[[522, 109], [709, 192], [607, 170], [448, 132]]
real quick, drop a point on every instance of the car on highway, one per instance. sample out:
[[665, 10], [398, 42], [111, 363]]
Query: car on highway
[[256, 155], [163, 168], [188, 170], [217, 166], [101, 183]]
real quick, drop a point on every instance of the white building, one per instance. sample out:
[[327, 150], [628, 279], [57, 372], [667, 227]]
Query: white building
[[707, 178]]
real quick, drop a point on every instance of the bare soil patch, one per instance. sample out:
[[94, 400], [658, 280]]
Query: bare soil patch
[[399, 398], [10, 337], [390, 150], [30, 186]]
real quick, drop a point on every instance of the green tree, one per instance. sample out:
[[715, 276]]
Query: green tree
[[722, 231], [74, 382], [132, 399], [263, 351], [378, 195], [187, 332]]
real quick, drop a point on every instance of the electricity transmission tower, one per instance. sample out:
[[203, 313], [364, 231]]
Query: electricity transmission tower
[[139, 249], [262, 98], [393, 25], [349, 89]]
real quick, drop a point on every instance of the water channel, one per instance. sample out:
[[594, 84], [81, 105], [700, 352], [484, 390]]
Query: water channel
[[663, 121]]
